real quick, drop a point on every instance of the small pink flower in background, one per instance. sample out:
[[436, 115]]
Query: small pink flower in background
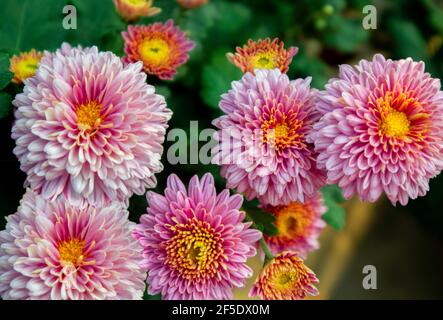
[[191, 4], [54, 250], [263, 54], [382, 129], [131, 10], [299, 226], [162, 47], [285, 277], [25, 65], [262, 146], [195, 242], [88, 127]]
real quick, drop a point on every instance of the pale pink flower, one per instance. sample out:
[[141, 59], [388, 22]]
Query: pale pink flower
[[382, 129], [262, 146], [88, 127], [54, 250]]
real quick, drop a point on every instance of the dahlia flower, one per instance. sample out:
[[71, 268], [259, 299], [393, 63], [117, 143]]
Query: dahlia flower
[[191, 4], [262, 147], [161, 47], [382, 129], [88, 127], [263, 54], [195, 243], [24, 65], [285, 277], [54, 250], [131, 10], [298, 225]]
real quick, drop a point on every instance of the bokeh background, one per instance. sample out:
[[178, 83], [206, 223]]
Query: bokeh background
[[403, 243]]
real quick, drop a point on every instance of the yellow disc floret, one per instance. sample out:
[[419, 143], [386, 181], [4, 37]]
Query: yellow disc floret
[[71, 251], [25, 65], [154, 51], [89, 115], [194, 250]]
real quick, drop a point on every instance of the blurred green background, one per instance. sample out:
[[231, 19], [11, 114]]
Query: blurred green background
[[404, 243]]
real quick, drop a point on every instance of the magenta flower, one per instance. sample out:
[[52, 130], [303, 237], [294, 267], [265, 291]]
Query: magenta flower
[[382, 129], [195, 243], [54, 250], [88, 127], [262, 138]]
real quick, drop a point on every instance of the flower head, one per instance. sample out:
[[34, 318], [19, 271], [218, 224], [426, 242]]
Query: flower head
[[299, 225], [25, 65], [131, 10], [54, 250], [195, 243], [262, 138], [161, 47], [263, 54], [382, 129], [89, 127], [191, 4], [285, 277]]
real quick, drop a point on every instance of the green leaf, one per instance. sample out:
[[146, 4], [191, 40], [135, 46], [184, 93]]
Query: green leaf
[[263, 221], [336, 215], [5, 74], [5, 104], [407, 32], [232, 17], [147, 296], [344, 34], [196, 22], [217, 78], [27, 24]]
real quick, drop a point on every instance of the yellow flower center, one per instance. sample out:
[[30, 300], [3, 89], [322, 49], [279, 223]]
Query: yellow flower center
[[395, 124], [89, 115], [292, 220], [135, 2], [71, 251], [194, 249], [154, 51], [285, 279], [394, 108], [27, 67], [280, 134], [264, 60]]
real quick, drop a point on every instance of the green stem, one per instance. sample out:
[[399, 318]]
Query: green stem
[[268, 255]]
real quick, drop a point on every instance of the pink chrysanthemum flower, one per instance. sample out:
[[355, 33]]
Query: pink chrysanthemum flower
[[285, 277], [131, 10], [89, 127], [195, 243], [54, 250], [263, 54], [262, 138], [298, 225], [382, 129], [161, 47]]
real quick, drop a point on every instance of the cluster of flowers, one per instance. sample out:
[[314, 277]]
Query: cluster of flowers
[[89, 132]]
